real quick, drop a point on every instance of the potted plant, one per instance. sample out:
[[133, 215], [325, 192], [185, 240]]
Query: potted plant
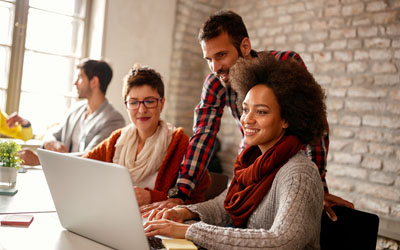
[[9, 163]]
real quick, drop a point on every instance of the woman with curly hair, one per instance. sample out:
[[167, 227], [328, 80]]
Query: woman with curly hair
[[275, 199], [151, 148]]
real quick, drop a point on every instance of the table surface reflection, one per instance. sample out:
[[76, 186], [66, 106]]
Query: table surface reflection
[[33, 194]]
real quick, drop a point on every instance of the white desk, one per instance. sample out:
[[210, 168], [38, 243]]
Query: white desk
[[33, 194], [44, 233]]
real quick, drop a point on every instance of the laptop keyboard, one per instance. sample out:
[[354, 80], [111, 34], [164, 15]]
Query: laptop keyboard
[[155, 243]]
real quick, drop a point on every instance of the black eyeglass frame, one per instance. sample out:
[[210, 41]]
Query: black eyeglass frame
[[143, 102]]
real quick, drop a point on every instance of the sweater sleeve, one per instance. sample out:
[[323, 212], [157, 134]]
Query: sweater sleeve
[[198, 194], [294, 204], [212, 211], [98, 152], [105, 150]]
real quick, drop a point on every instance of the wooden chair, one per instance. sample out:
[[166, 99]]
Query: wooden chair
[[219, 182], [354, 229]]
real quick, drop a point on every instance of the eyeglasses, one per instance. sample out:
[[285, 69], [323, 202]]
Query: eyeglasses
[[150, 103]]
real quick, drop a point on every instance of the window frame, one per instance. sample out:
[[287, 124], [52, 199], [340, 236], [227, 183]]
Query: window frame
[[17, 55], [13, 92]]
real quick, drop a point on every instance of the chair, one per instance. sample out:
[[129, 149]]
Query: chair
[[219, 182], [354, 229]]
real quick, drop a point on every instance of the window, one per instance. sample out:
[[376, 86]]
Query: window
[[41, 42], [7, 10]]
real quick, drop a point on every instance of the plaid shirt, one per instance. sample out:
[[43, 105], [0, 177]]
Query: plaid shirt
[[208, 113]]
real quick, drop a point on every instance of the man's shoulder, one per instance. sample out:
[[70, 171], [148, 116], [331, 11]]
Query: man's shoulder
[[179, 132], [213, 82], [110, 111], [212, 86], [284, 55], [211, 78], [280, 54], [109, 107], [79, 105]]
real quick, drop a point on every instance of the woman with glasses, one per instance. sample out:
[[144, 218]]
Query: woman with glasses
[[151, 148], [275, 199]]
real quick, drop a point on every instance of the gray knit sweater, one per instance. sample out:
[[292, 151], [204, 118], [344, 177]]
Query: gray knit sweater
[[289, 216]]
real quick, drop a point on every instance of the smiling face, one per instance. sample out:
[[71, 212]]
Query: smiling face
[[145, 119], [261, 119], [220, 55]]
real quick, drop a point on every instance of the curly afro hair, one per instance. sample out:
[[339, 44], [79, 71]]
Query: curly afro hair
[[300, 98]]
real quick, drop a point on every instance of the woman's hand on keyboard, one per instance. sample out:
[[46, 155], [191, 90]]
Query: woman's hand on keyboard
[[165, 213], [168, 203], [177, 214], [166, 228]]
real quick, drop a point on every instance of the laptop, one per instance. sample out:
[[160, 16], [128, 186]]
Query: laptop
[[95, 199]]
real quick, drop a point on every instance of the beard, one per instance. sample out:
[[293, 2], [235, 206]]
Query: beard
[[84, 93], [223, 76]]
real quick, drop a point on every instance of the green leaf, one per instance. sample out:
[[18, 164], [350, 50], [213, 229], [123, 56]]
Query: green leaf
[[9, 154]]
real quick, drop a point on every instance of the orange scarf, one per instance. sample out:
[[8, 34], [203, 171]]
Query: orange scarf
[[254, 174]]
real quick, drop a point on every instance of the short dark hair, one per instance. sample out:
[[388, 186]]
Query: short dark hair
[[300, 98], [101, 69], [224, 21], [140, 76]]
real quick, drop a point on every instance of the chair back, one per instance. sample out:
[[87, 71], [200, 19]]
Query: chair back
[[219, 182], [354, 229]]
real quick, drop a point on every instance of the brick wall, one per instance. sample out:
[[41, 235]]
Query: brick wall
[[188, 69], [352, 47]]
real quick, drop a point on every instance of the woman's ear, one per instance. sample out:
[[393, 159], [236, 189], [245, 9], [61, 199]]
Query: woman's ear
[[245, 47], [162, 104]]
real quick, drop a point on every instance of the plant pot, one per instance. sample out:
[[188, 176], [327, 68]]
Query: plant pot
[[8, 177]]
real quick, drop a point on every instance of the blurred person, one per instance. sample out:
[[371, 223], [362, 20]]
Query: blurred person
[[151, 148], [90, 121], [14, 126]]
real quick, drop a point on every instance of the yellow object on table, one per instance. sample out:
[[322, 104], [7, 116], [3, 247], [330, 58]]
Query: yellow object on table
[[18, 132], [178, 244]]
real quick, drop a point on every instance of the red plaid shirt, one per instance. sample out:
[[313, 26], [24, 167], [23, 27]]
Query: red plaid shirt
[[208, 113]]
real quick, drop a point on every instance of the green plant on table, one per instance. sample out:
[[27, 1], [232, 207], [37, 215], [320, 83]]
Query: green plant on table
[[8, 154]]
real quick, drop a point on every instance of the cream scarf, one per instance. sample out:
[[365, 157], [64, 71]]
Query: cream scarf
[[149, 160]]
